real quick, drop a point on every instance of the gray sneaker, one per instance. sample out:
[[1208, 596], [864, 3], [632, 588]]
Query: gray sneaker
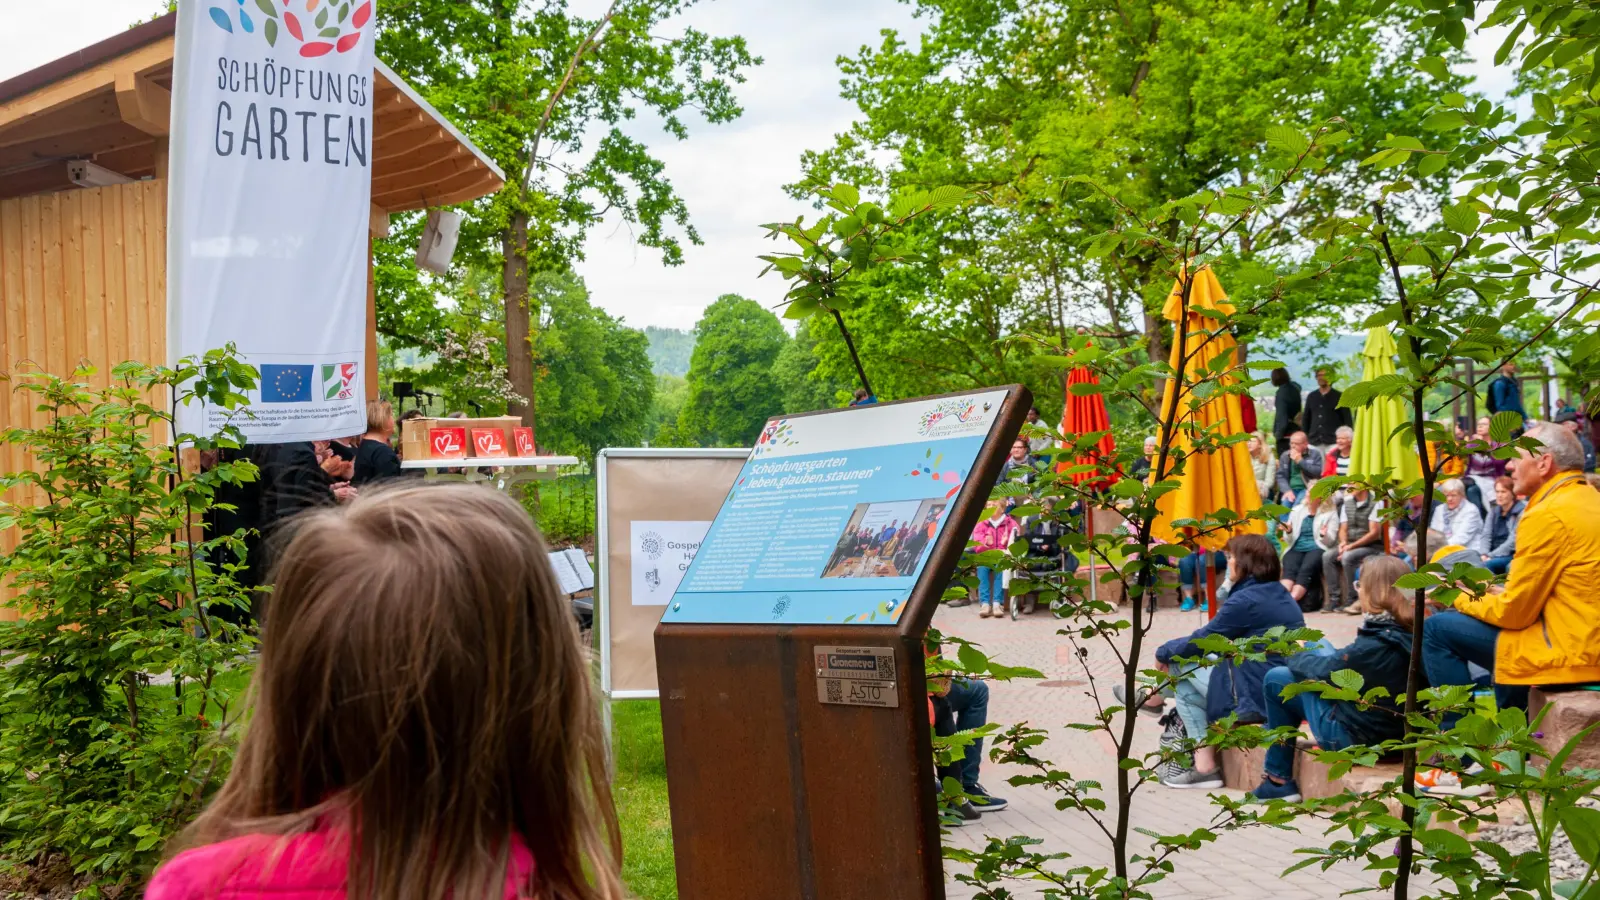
[[1194, 779], [1144, 701]]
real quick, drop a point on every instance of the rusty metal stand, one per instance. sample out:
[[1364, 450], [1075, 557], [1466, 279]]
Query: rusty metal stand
[[779, 796]]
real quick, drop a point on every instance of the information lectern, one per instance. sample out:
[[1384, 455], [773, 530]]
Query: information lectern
[[790, 659]]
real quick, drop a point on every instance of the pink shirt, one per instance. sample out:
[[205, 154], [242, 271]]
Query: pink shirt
[[309, 866]]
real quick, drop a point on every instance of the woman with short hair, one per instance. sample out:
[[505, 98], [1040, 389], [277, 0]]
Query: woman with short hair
[[1497, 542], [1455, 522], [374, 458]]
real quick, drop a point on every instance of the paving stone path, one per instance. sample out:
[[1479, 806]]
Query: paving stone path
[[1239, 864]]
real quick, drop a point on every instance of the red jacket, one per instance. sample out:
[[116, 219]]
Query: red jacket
[[309, 866]]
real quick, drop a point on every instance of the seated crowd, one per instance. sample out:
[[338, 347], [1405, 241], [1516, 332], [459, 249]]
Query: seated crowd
[[1542, 627]]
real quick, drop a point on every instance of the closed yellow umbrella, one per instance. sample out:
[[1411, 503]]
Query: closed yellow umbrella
[[1221, 479], [1374, 451]]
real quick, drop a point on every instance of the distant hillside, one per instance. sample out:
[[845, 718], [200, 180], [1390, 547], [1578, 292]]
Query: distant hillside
[[670, 349], [1301, 356]]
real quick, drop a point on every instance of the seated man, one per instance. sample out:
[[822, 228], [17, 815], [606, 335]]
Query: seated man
[[1541, 628], [1298, 467], [1360, 536], [962, 704], [1256, 603]]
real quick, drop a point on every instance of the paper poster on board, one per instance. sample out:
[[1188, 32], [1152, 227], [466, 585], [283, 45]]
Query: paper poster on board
[[833, 517], [661, 552]]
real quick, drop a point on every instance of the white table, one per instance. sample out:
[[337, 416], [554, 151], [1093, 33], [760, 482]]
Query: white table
[[509, 471]]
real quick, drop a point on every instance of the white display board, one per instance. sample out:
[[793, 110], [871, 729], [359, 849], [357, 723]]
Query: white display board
[[654, 507]]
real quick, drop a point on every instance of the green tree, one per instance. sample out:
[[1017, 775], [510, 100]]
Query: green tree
[[732, 389], [1018, 100], [531, 83], [661, 426], [595, 386], [804, 389]]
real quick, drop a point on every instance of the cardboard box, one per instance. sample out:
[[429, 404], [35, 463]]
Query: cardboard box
[[415, 442]]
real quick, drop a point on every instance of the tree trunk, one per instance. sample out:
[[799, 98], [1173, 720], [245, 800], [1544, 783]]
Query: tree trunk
[[1152, 330], [519, 340]]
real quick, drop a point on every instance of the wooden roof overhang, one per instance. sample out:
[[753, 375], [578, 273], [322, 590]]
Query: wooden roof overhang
[[110, 103]]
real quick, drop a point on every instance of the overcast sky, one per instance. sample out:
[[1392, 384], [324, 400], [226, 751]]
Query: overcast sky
[[730, 175]]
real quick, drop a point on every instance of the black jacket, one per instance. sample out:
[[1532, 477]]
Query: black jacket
[[1380, 654], [1287, 403], [1323, 416]]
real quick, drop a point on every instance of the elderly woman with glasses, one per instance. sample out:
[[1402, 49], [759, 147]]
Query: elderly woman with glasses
[[1455, 521]]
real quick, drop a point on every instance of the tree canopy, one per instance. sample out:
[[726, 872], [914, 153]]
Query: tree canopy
[[732, 388], [1020, 102], [545, 93]]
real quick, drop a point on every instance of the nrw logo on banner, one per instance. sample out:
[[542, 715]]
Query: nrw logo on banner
[[269, 200]]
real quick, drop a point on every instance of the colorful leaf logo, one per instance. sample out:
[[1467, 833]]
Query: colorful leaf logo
[[328, 25]]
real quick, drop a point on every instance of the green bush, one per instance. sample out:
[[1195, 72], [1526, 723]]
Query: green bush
[[564, 508], [117, 689]]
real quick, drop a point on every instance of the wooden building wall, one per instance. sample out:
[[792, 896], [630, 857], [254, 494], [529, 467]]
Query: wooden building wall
[[82, 282]]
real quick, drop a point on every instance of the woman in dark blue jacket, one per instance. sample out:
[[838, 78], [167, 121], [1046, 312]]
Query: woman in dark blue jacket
[[1380, 654], [1205, 694]]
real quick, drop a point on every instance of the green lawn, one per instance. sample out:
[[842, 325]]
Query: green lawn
[[641, 795]]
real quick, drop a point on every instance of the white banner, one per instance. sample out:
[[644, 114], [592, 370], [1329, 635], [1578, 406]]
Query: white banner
[[269, 200]]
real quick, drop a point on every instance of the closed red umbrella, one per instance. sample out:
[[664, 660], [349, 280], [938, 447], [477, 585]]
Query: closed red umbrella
[[1086, 414]]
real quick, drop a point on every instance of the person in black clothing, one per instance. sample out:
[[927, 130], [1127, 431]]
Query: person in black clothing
[[1287, 405], [375, 459], [236, 509], [1323, 416], [1380, 654]]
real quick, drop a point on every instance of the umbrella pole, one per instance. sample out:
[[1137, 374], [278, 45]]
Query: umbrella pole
[[1088, 527]]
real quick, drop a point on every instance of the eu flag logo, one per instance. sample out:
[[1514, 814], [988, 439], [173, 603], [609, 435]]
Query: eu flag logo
[[285, 384]]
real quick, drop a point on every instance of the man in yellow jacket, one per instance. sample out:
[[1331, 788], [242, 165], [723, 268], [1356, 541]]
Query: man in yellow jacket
[[1544, 626]]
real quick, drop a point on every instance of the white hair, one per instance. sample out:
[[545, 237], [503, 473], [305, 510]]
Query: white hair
[[1559, 444], [1345, 431], [1453, 486]]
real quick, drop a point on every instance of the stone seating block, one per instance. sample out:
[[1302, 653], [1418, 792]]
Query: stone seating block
[[1570, 713], [1312, 776], [1242, 769]]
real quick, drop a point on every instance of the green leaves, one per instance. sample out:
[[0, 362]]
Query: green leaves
[[1435, 66], [1582, 826], [1503, 424], [1460, 218], [118, 763], [1287, 140]]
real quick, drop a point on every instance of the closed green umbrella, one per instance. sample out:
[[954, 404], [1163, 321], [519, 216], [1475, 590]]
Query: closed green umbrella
[[1374, 449]]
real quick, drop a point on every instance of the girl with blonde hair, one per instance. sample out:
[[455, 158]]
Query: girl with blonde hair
[[1380, 654]]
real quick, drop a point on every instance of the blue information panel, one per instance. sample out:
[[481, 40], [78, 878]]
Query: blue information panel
[[833, 516]]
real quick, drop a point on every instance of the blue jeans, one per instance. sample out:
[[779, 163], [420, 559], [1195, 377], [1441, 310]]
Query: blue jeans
[[1308, 708], [1450, 640], [989, 586], [964, 708], [1194, 682], [1499, 565], [1189, 567]]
